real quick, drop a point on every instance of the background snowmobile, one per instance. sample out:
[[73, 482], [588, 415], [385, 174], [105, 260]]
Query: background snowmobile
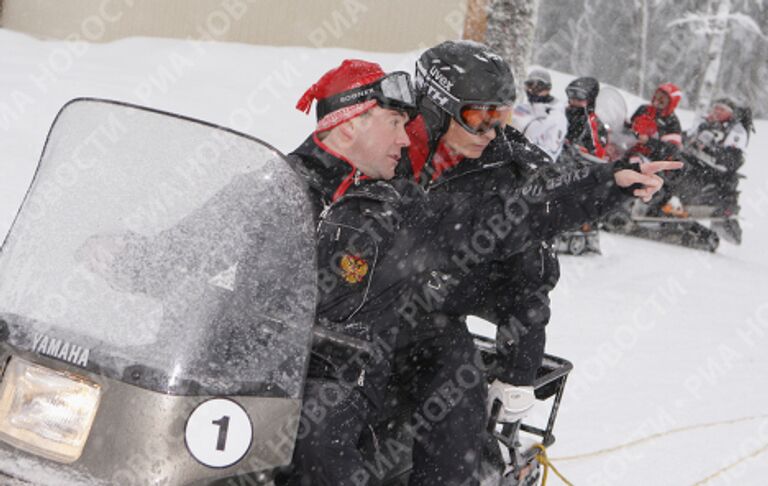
[[611, 109], [688, 231], [157, 294], [587, 238], [706, 209]]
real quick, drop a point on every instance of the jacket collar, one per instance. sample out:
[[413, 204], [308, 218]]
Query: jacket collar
[[428, 161], [326, 171]]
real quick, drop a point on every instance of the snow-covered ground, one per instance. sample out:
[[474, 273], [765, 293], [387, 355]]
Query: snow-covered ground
[[663, 339]]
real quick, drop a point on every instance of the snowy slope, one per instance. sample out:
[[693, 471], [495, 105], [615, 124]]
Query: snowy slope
[[662, 338]]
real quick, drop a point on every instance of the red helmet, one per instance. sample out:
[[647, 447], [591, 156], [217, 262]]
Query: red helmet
[[674, 94]]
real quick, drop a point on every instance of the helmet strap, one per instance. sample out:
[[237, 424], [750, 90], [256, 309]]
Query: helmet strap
[[436, 120]]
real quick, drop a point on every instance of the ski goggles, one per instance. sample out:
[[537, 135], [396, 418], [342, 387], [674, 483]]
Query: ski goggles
[[394, 91], [575, 93], [536, 86], [478, 117]]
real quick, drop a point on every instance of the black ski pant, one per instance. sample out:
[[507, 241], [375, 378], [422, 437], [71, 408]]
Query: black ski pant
[[327, 453], [439, 369], [338, 408], [440, 379]]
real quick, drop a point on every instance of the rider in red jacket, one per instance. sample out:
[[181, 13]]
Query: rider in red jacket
[[658, 132]]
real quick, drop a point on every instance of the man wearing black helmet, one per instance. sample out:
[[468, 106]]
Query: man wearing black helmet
[[586, 133], [460, 145]]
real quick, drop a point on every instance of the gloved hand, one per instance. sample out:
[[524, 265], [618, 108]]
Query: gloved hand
[[516, 401]]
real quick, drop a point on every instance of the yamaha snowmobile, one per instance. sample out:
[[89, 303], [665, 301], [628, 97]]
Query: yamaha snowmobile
[[157, 297], [157, 293]]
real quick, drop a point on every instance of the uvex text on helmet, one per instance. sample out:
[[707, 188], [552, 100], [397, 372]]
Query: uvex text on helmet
[[454, 73]]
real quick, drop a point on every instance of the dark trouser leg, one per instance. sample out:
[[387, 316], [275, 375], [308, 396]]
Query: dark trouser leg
[[326, 452], [335, 414], [444, 379]]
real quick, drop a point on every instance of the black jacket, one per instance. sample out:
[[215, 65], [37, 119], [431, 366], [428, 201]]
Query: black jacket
[[512, 286], [360, 231], [586, 130], [513, 202], [382, 247], [367, 254]]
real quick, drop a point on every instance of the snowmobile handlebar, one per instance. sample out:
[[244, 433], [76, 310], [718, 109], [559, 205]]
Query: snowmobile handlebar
[[322, 336]]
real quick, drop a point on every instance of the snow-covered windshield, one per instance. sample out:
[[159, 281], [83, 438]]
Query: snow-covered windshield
[[172, 254]]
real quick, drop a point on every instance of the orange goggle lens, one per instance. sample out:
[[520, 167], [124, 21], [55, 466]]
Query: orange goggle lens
[[482, 118]]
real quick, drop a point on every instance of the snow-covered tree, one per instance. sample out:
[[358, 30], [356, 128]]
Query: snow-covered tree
[[643, 8], [638, 44], [511, 28]]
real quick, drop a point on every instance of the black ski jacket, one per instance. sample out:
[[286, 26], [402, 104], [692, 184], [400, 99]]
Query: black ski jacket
[[552, 198], [586, 131], [386, 251]]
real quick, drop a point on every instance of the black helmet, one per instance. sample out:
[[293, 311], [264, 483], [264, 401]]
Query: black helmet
[[455, 74], [584, 89]]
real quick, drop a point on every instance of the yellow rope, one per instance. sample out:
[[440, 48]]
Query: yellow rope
[[732, 465], [657, 436], [547, 464], [544, 460]]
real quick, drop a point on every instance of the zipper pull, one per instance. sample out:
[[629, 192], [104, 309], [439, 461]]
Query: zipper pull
[[324, 212], [361, 378], [357, 176]]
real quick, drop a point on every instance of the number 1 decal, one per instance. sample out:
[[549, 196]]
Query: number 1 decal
[[218, 433], [223, 424]]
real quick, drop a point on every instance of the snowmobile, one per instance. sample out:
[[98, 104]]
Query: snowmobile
[[632, 220], [710, 209], [137, 347], [586, 239], [706, 210], [157, 296], [611, 108], [513, 449]]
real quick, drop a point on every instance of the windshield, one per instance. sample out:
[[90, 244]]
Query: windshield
[[166, 252]]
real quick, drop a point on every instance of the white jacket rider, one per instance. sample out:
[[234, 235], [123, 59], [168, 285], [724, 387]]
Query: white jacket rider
[[718, 130], [541, 117]]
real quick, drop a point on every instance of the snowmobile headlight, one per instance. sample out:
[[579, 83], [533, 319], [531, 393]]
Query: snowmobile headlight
[[46, 412]]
